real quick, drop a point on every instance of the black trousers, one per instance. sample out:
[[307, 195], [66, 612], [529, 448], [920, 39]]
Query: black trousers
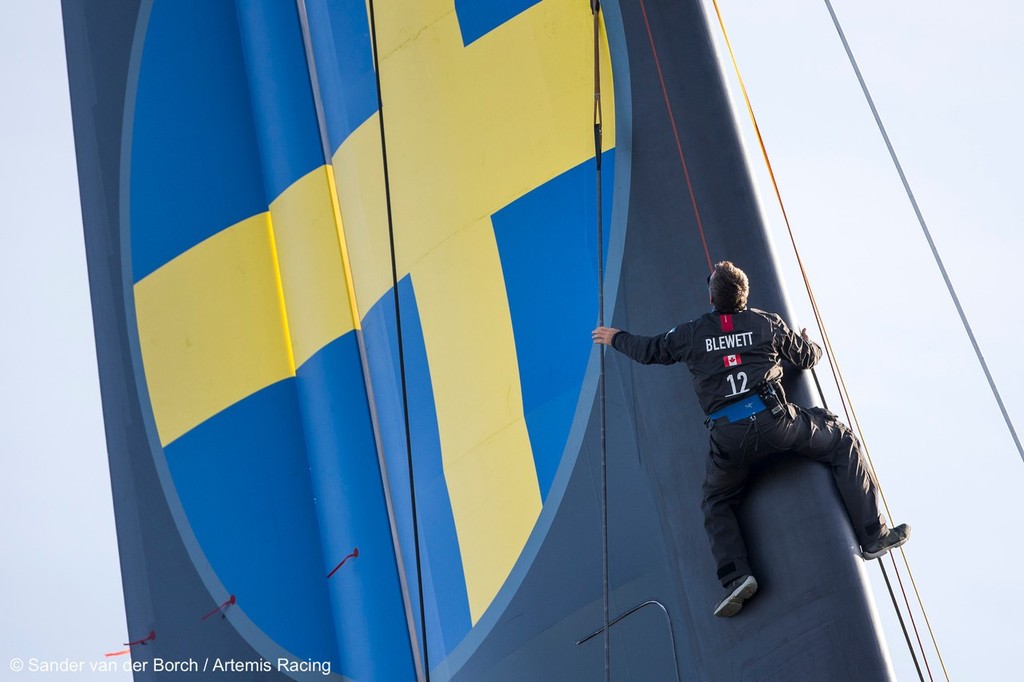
[[814, 433]]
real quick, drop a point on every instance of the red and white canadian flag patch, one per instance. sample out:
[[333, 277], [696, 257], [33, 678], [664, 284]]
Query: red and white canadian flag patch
[[732, 360]]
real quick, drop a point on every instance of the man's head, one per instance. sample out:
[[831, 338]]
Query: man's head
[[729, 288]]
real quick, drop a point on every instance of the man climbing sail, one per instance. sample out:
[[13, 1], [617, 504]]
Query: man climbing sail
[[734, 355]]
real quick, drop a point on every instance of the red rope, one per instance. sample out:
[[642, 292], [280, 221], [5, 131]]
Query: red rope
[[675, 133], [139, 642], [149, 638], [353, 555], [222, 607]]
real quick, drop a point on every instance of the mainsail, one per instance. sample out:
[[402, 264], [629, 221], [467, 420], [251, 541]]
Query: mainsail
[[344, 263]]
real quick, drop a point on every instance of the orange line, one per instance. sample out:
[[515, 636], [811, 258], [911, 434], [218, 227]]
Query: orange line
[[675, 132], [844, 395]]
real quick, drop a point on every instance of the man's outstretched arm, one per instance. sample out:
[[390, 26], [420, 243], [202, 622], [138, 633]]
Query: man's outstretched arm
[[663, 349]]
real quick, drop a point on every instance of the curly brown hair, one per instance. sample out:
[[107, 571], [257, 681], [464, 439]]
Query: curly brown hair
[[729, 287]]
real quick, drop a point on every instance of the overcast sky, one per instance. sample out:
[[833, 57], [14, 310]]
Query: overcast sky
[[946, 81]]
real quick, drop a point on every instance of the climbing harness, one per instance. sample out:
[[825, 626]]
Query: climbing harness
[[746, 408]]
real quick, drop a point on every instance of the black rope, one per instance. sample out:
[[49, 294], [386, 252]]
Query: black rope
[[817, 384], [401, 349], [899, 614], [885, 575], [595, 8], [892, 595]]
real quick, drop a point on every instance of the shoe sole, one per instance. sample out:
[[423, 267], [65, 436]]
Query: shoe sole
[[732, 604], [868, 556]]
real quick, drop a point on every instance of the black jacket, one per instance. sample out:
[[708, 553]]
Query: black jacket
[[728, 355]]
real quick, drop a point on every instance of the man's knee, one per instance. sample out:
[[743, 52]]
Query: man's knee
[[828, 436], [847, 446]]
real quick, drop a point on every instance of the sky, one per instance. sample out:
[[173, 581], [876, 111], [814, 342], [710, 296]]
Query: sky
[[945, 81]]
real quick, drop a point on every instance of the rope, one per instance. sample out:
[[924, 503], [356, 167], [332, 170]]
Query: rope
[[945, 278], [906, 601], [927, 233], [903, 626], [354, 554], [401, 350], [222, 607], [675, 133], [851, 416], [142, 642], [595, 8], [844, 395]]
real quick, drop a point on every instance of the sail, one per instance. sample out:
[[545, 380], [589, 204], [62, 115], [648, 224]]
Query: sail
[[343, 260]]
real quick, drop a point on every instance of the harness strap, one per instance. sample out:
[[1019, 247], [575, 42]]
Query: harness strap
[[738, 411]]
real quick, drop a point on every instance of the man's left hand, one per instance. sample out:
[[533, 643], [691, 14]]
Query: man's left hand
[[604, 335]]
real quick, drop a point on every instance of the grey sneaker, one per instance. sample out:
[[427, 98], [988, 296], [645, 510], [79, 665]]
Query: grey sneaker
[[739, 590], [893, 538]]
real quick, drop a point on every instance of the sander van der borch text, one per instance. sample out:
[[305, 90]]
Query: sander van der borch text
[[161, 665]]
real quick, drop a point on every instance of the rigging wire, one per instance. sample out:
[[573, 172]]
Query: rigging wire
[[837, 374], [401, 352], [595, 8], [927, 233]]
